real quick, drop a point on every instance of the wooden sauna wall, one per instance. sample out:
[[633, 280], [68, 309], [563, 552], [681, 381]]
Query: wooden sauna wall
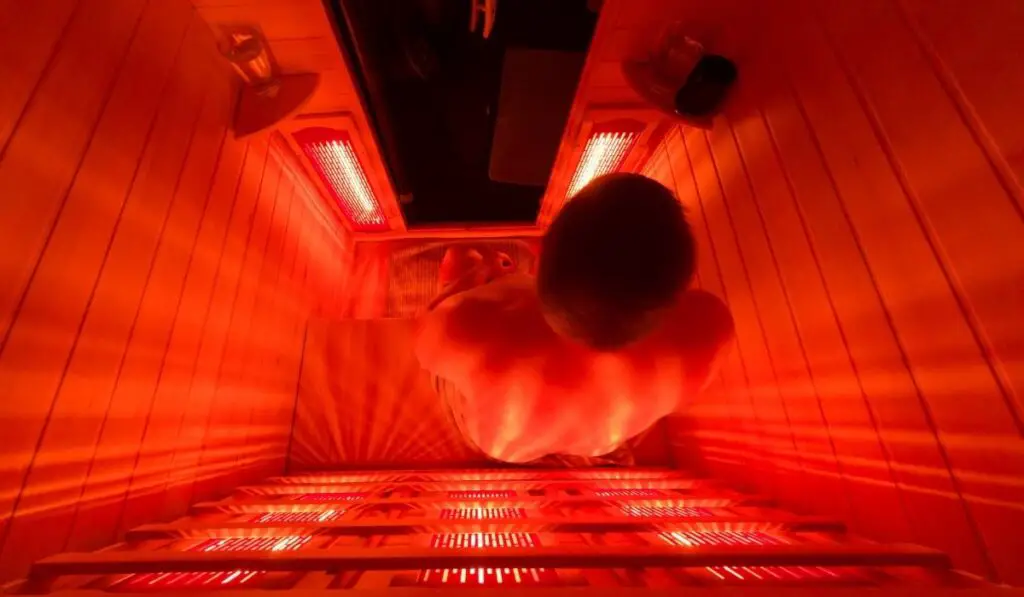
[[157, 275], [859, 206]]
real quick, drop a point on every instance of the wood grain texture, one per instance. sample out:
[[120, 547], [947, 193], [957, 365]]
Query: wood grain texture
[[858, 206], [152, 311]]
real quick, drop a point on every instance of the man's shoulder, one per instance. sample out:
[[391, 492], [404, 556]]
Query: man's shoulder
[[500, 317]]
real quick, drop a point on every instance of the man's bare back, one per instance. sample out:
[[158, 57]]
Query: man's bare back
[[527, 392]]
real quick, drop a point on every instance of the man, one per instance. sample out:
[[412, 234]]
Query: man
[[606, 340]]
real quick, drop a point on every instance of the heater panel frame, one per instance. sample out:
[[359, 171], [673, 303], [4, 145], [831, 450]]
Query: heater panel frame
[[653, 126], [370, 162]]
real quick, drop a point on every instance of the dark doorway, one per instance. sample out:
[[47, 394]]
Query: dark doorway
[[433, 89]]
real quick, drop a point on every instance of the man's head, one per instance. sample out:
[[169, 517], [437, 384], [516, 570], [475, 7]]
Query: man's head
[[615, 258]]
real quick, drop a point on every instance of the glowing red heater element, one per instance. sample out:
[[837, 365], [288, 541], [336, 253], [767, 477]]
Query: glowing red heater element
[[618, 493], [331, 497], [226, 579], [708, 538], [482, 513], [657, 511], [333, 156], [314, 516], [481, 494], [604, 153], [485, 577]]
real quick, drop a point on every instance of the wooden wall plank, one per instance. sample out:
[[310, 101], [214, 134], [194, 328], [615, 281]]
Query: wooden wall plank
[[53, 314], [214, 453], [30, 34], [975, 295], [125, 249], [44, 154], [39, 167], [868, 182]]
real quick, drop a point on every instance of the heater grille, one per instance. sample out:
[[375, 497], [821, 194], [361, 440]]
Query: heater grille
[[483, 540], [781, 573], [314, 516], [603, 154], [334, 158], [331, 497], [485, 577], [481, 494], [488, 577], [656, 511], [482, 513], [621, 493], [708, 538], [209, 580]]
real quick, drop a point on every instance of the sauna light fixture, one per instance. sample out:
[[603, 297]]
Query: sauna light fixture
[[267, 97], [247, 52]]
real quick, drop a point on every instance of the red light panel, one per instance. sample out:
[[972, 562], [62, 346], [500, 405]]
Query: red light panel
[[314, 516], [481, 494], [227, 579], [657, 511], [331, 497], [333, 156], [487, 577], [618, 493], [603, 154], [707, 538], [482, 513]]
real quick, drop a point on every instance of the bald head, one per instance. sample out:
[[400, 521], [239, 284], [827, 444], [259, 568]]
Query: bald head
[[615, 258]]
